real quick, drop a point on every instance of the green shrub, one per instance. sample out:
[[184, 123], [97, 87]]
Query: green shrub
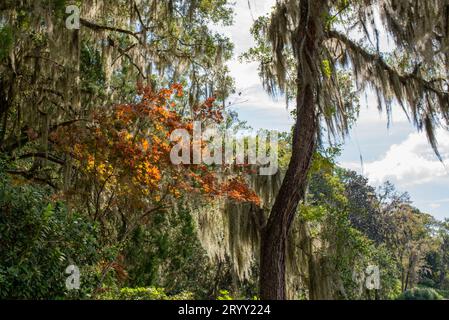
[[427, 282], [167, 253], [6, 41], [224, 295], [444, 293], [39, 240], [142, 294], [420, 294]]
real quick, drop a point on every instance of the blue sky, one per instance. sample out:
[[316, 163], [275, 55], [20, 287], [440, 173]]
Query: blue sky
[[397, 153]]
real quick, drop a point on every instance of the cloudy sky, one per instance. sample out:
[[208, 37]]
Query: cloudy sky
[[398, 153]]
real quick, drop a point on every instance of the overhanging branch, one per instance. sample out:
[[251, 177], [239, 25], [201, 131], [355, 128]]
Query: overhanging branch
[[426, 100], [375, 58], [97, 27]]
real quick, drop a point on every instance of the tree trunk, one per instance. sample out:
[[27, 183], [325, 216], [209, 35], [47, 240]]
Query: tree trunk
[[443, 269], [275, 234], [293, 189]]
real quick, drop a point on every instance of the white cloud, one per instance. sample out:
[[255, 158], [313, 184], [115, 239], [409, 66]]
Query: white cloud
[[255, 95], [410, 163], [370, 113], [245, 74], [254, 104], [435, 205]]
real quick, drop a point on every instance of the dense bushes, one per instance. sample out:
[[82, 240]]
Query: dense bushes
[[421, 294], [38, 241], [168, 254], [142, 294], [40, 238]]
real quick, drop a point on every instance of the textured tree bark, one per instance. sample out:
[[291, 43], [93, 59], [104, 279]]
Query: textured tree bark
[[275, 234], [293, 189]]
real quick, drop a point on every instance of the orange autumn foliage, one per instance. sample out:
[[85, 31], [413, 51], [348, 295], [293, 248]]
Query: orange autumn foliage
[[126, 150]]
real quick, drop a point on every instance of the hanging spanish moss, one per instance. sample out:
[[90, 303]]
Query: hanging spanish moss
[[48, 69], [419, 86]]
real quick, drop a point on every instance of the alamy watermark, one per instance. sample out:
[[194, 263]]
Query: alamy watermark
[[73, 20], [370, 278], [214, 147], [73, 281]]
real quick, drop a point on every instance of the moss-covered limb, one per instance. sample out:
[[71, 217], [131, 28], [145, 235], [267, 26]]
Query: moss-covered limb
[[423, 100]]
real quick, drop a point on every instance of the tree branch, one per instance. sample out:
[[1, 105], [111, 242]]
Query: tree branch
[[96, 27], [30, 176], [41, 155], [403, 78]]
